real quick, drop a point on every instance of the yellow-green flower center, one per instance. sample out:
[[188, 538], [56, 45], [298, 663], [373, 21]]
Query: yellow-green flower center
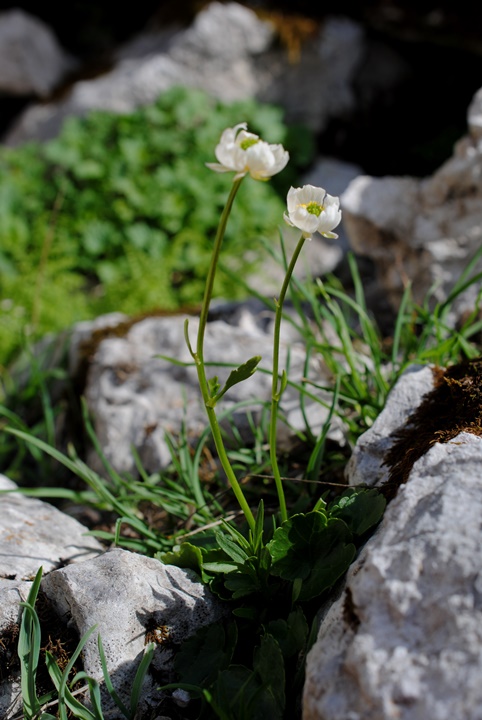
[[248, 142], [314, 208]]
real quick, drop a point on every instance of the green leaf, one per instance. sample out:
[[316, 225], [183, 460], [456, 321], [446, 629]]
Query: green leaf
[[200, 560], [242, 584], [257, 536], [220, 567], [243, 372], [359, 509], [215, 645], [139, 677], [60, 680], [268, 663], [314, 549], [239, 694], [237, 536], [291, 634], [292, 540], [65, 696], [231, 548], [184, 556], [29, 650]]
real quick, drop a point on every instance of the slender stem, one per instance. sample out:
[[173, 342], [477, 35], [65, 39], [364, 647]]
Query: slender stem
[[277, 387], [200, 366], [208, 291]]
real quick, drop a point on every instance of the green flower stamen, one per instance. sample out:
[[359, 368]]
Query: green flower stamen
[[249, 142], [314, 208]]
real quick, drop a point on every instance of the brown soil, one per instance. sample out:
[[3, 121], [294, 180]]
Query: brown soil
[[452, 407]]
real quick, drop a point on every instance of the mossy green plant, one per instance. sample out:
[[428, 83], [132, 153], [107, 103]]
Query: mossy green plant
[[118, 213]]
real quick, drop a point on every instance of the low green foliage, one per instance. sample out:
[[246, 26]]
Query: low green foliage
[[119, 213], [268, 586]]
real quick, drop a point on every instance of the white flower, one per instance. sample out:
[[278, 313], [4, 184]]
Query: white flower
[[243, 152], [311, 209]]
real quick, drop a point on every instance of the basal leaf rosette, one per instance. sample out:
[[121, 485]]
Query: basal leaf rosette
[[242, 152], [311, 209]]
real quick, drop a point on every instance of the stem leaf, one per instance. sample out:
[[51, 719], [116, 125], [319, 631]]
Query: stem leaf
[[243, 372]]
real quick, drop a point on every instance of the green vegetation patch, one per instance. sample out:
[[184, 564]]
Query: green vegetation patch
[[119, 213]]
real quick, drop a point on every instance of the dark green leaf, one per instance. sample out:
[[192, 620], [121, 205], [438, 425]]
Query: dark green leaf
[[241, 584], [268, 663], [360, 509], [241, 695], [313, 549], [296, 543], [291, 634], [205, 654]]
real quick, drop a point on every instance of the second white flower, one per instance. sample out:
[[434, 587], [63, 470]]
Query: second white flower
[[311, 209]]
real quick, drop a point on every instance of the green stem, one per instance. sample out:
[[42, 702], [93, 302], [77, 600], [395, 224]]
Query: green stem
[[208, 291], [277, 388], [200, 366]]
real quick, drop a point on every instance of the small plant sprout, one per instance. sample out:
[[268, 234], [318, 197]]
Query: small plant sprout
[[311, 209], [243, 152]]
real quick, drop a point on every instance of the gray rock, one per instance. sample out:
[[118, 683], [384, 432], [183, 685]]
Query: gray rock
[[404, 640], [32, 61], [34, 533], [422, 231], [474, 116], [366, 465], [319, 86], [228, 52], [83, 332], [128, 596], [135, 397]]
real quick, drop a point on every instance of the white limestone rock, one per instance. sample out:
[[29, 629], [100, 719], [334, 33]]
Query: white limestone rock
[[404, 641], [425, 231], [135, 397], [126, 595], [34, 533], [366, 465], [32, 61], [230, 53]]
